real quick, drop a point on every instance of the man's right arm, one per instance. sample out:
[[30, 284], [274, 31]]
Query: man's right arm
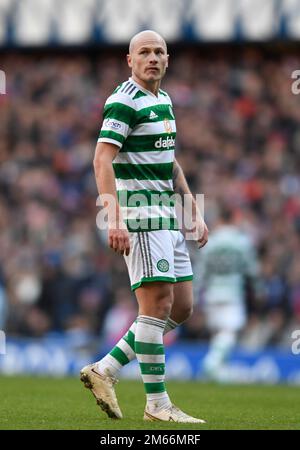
[[118, 236]]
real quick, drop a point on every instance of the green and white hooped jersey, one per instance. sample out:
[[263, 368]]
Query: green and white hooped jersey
[[143, 127]]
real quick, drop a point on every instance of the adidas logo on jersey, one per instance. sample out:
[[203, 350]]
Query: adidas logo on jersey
[[164, 143], [152, 115]]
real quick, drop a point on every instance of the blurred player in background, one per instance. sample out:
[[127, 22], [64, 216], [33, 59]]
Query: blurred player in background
[[222, 272], [135, 155]]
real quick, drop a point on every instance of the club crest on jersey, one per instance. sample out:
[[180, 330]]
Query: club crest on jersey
[[168, 126]]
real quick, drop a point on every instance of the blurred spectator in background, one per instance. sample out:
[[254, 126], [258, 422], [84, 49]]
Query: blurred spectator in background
[[220, 276]]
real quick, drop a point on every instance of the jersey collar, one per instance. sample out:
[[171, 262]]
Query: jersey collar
[[141, 88]]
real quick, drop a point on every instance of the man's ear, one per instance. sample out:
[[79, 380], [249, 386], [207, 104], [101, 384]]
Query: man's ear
[[167, 65], [129, 62]]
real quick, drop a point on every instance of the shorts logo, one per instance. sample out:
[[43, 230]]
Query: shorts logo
[[163, 265]]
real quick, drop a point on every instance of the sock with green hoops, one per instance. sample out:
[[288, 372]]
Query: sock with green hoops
[[124, 352], [150, 353]]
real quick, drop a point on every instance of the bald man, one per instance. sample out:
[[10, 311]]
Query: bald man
[[135, 165]]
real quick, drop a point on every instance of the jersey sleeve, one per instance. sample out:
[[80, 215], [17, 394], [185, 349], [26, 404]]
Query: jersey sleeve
[[118, 119]]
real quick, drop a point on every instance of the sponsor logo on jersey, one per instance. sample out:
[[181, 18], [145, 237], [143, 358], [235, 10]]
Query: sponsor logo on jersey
[[113, 124], [164, 143], [163, 265], [152, 115], [168, 126]]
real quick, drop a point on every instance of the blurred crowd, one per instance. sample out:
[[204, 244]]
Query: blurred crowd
[[238, 140]]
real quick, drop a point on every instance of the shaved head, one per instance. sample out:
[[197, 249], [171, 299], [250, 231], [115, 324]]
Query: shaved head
[[148, 59], [145, 38]]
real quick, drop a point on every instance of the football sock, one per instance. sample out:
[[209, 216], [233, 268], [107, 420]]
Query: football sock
[[150, 353], [124, 352], [120, 355]]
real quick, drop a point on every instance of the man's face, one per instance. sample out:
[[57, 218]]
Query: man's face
[[148, 59]]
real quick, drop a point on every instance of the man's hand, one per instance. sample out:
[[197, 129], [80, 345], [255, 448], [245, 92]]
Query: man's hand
[[118, 239], [198, 233], [202, 232]]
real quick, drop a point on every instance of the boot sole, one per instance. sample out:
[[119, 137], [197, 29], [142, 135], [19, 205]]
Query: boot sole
[[103, 405]]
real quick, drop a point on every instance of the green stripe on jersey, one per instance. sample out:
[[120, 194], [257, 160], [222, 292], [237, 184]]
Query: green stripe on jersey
[[121, 112], [112, 135], [145, 124], [139, 94], [155, 113], [163, 141], [146, 198], [144, 171], [152, 224]]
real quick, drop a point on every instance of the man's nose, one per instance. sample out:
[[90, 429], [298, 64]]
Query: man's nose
[[153, 58]]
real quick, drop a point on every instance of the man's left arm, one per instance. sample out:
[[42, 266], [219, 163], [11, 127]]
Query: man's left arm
[[181, 187]]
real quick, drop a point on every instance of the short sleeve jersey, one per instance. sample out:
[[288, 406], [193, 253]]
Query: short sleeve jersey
[[143, 126]]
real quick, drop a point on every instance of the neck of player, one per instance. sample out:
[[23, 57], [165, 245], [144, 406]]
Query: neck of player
[[151, 86]]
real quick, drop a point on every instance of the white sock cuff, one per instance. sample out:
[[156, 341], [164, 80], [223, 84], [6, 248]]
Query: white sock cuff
[[172, 324], [153, 321]]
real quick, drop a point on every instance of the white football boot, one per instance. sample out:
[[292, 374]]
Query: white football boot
[[102, 387], [172, 414]]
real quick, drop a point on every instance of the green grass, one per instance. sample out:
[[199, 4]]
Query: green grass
[[63, 403]]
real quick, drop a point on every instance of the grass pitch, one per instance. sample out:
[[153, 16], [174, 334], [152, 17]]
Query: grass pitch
[[63, 403]]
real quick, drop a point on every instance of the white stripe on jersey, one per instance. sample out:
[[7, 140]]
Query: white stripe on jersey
[[150, 185], [119, 97], [147, 212], [158, 157], [110, 141], [117, 126], [146, 102], [151, 128]]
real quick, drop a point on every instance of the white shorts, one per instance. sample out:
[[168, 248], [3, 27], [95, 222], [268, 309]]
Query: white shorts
[[160, 255], [225, 316]]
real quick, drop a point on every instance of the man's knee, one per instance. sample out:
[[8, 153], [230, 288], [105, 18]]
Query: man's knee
[[181, 313], [155, 299], [163, 307], [186, 312]]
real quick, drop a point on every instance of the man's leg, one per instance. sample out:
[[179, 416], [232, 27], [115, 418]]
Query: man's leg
[[155, 304], [225, 320], [155, 301], [220, 347], [124, 352], [182, 307]]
